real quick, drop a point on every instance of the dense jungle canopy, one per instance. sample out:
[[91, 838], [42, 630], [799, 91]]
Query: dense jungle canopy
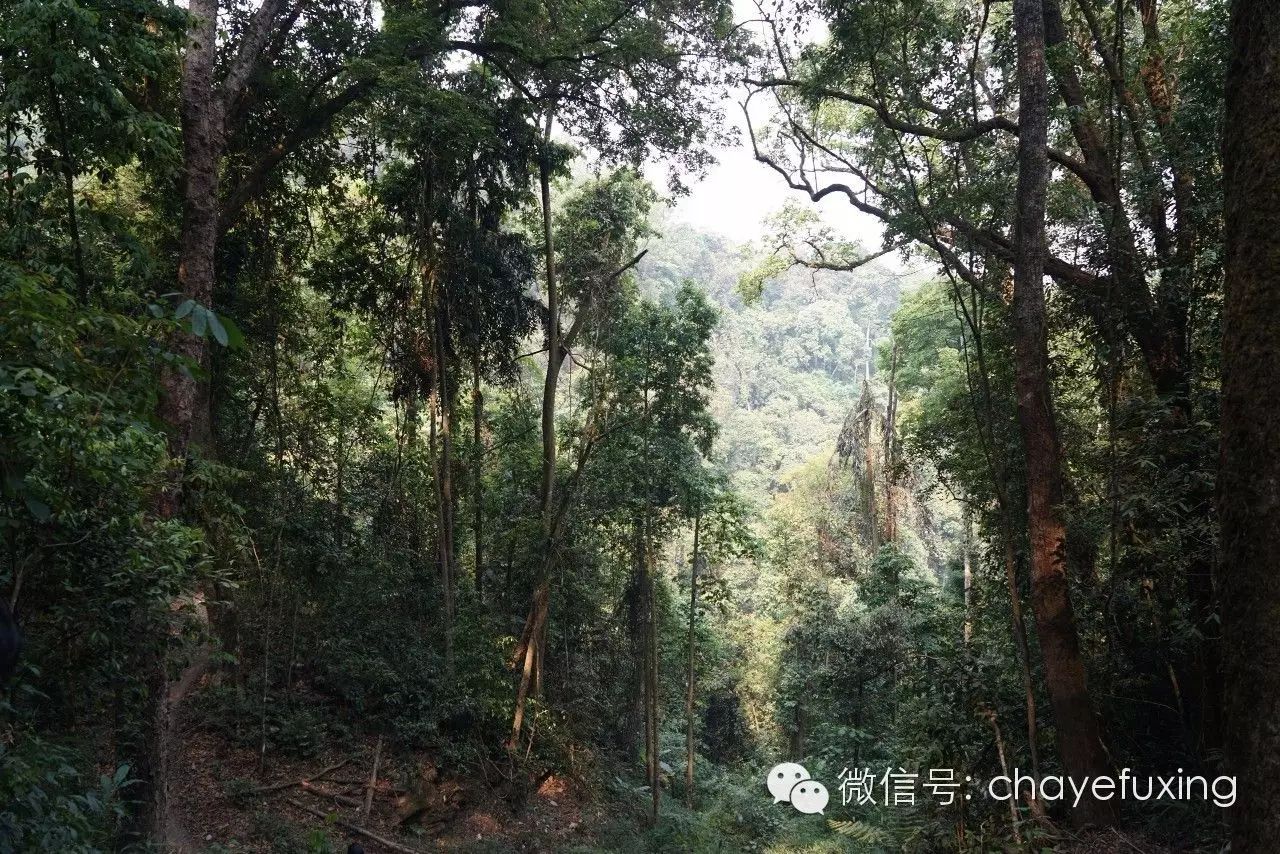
[[386, 464]]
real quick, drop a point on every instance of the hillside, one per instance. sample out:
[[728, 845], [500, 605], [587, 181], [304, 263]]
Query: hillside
[[790, 365]]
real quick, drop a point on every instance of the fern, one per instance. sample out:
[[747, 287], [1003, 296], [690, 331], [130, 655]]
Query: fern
[[867, 834]]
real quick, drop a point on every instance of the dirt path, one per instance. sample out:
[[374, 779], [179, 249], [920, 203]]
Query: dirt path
[[173, 836]]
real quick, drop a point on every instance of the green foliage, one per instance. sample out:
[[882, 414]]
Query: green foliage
[[788, 363], [362, 524], [50, 802], [866, 834], [83, 465]]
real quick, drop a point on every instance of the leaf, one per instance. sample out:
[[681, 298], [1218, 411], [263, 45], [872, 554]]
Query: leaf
[[184, 309], [219, 331], [199, 321], [235, 338], [865, 833]]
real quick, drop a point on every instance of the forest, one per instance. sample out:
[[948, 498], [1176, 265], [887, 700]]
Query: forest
[[387, 465]]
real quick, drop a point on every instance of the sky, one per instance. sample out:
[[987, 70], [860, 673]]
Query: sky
[[738, 193]]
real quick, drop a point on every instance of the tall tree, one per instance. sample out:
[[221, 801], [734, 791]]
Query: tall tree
[[904, 112], [1249, 482], [207, 105], [599, 229], [1079, 737], [691, 672], [628, 80]]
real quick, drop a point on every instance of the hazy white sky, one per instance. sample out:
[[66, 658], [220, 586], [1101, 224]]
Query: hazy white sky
[[738, 193]]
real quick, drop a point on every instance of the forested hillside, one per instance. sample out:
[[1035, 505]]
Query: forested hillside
[[790, 360], [385, 468]]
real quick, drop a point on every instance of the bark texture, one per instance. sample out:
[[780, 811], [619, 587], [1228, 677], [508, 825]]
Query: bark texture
[[529, 650], [183, 401], [1079, 736], [1249, 482]]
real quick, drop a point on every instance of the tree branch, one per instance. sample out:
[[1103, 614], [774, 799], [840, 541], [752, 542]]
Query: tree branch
[[249, 53], [317, 121], [967, 133]]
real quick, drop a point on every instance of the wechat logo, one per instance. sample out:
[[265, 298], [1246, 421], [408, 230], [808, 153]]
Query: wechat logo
[[791, 783]]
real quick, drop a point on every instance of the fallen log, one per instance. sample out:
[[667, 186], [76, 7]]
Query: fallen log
[[373, 778], [347, 800], [276, 787], [354, 828]]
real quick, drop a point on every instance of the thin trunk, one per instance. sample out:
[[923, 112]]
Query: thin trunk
[[528, 651], [966, 549], [986, 417], [68, 180], [535, 623], [635, 720], [890, 451], [650, 611], [651, 683], [990, 715], [1024, 649], [1079, 736], [444, 478], [870, 487], [873, 520], [477, 472], [692, 672], [1248, 491], [10, 160], [552, 379]]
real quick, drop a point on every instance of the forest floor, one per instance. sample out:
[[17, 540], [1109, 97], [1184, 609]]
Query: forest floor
[[175, 837], [223, 797]]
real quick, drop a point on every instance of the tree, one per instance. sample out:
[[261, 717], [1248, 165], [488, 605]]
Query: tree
[[659, 374], [462, 157], [627, 82], [599, 227], [1129, 229], [1249, 508], [1079, 739]]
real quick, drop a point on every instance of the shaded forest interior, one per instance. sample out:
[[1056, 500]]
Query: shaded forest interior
[[386, 465]]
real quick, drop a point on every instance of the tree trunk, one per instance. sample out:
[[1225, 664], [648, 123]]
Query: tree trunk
[[692, 672], [1079, 737], [552, 380], [869, 460], [1249, 483], [444, 475], [527, 657], [184, 404], [890, 451], [535, 623], [983, 419], [967, 548], [477, 472], [651, 684], [635, 720]]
